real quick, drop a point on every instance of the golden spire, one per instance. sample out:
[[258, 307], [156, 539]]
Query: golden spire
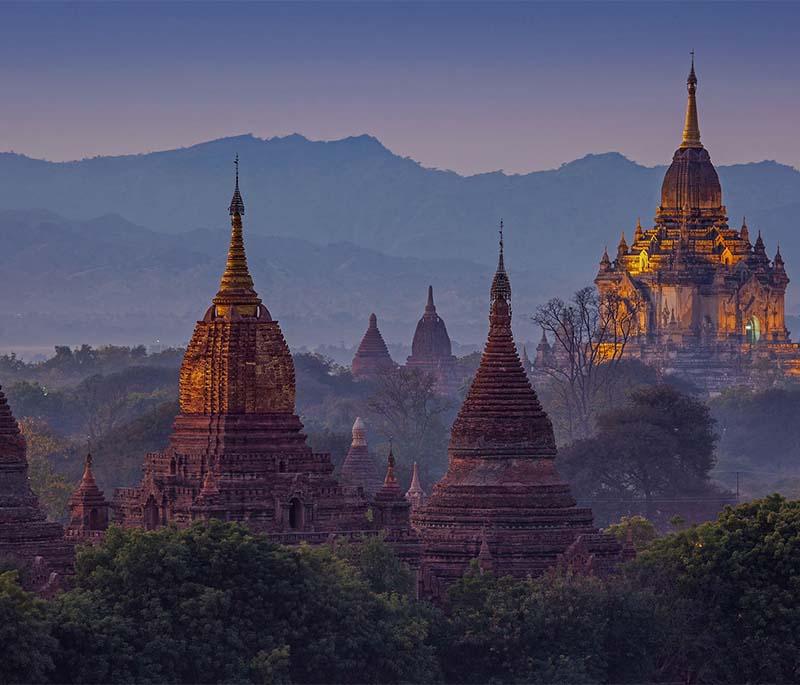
[[236, 285], [691, 129]]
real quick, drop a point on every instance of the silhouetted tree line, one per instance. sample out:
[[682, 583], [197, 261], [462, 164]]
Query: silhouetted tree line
[[716, 603]]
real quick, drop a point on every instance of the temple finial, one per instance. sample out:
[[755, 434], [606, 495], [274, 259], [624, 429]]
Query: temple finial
[[691, 128], [237, 204], [236, 284], [501, 286], [430, 306]]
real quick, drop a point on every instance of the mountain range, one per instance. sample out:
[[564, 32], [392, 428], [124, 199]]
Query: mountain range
[[130, 248]]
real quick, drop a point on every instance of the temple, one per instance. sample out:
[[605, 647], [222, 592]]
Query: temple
[[237, 451], [372, 358], [502, 500], [707, 301], [359, 469], [431, 350], [27, 539], [88, 508]]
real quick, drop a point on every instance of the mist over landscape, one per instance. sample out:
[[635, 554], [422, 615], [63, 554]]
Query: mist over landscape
[[130, 249]]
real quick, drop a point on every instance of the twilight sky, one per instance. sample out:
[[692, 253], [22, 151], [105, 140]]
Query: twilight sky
[[466, 86]]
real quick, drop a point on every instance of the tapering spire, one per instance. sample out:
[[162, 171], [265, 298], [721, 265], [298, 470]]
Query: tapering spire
[[744, 232], [691, 128], [429, 306], [501, 286], [390, 488], [237, 204], [415, 494], [236, 285]]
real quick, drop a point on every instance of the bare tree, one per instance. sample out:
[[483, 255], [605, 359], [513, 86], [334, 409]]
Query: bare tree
[[588, 334], [406, 408]]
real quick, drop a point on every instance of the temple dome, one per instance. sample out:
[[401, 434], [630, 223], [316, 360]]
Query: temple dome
[[691, 181], [431, 340], [372, 356]]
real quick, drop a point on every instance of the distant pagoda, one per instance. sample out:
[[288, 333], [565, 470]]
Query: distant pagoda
[[431, 350], [237, 450], [372, 358], [27, 538], [502, 500], [88, 508], [359, 469]]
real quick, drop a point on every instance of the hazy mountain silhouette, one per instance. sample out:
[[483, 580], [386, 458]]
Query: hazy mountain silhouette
[[107, 280], [347, 214]]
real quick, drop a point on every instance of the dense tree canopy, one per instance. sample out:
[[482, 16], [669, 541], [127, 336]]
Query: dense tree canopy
[[656, 449], [729, 596]]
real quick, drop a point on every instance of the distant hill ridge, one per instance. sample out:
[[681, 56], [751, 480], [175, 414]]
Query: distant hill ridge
[[333, 228]]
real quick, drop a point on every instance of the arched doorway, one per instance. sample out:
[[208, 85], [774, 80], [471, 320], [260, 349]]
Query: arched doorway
[[753, 330], [296, 514], [151, 514]]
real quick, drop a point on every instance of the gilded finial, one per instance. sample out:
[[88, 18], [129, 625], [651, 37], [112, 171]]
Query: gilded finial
[[236, 285], [691, 128]]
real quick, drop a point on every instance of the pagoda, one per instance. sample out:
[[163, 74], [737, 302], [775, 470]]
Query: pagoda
[[431, 350], [415, 494], [705, 300], [372, 358], [27, 538], [88, 508], [502, 499], [237, 450], [359, 468]]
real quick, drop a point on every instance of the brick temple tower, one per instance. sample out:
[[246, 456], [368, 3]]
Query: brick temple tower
[[237, 450], [26, 536], [431, 350], [372, 357], [88, 507], [415, 494], [359, 469], [502, 497]]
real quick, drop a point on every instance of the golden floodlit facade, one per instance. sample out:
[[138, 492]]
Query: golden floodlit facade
[[708, 302]]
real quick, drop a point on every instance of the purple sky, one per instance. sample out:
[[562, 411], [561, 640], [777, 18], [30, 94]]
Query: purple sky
[[466, 86]]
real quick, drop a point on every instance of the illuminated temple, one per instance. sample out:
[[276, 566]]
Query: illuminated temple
[[237, 450], [708, 300]]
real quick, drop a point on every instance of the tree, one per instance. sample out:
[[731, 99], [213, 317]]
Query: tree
[[27, 643], [557, 628], [378, 566], [642, 532], [729, 596], [51, 487], [217, 603], [660, 445], [406, 408], [589, 335]]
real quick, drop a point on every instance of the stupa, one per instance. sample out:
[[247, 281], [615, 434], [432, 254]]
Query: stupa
[[359, 469], [502, 499], [88, 508], [431, 350], [372, 357], [27, 538]]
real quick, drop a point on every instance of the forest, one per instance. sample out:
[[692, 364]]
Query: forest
[[713, 603]]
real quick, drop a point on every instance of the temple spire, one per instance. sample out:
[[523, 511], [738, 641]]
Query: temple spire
[[691, 128], [429, 306], [236, 284], [501, 286]]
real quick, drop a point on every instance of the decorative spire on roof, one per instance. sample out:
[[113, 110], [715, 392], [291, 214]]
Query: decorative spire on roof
[[778, 258], [605, 262], [237, 204], [359, 469], [501, 286], [415, 494], [622, 247], [236, 285], [485, 561], [744, 233], [638, 233], [691, 128], [88, 506], [429, 306], [390, 488]]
